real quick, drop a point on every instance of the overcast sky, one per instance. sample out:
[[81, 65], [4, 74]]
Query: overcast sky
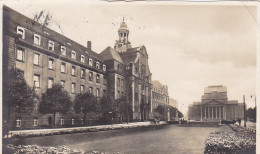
[[189, 46]]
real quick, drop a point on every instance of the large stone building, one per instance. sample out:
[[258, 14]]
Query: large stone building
[[160, 94], [46, 57], [215, 106]]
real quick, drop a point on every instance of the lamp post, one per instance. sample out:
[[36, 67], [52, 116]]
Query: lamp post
[[244, 111]]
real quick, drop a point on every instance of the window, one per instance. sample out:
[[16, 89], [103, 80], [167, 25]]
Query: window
[[21, 32], [63, 67], [73, 70], [136, 97], [50, 64], [62, 121], [37, 39], [104, 68], [105, 80], [118, 67], [97, 65], [90, 76], [50, 82], [90, 62], [90, 89], [73, 88], [51, 45], [72, 121], [98, 92], [82, 88], [18, 122], [118, 81], [62, 82], [122, 83], [82, 58], [20, 54], [98, 78], [36, 79], [118, 93], [82, 73], [73, 54], [35, 122], [63, 50], [36, 59]]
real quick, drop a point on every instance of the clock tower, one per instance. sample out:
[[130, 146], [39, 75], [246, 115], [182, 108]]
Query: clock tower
[[122, 44]]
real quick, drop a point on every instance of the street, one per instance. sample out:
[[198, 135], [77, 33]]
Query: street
[[162, 139]]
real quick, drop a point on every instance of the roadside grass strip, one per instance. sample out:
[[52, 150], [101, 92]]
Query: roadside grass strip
[[240, 141]]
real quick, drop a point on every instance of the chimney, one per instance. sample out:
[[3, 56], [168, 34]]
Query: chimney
[[89, 45]]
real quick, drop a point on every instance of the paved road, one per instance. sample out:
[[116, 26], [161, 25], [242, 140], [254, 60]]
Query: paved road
[[162, 139]]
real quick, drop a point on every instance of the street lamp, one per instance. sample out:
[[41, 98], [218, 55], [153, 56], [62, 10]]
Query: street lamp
[[244, 111], [111, 117]]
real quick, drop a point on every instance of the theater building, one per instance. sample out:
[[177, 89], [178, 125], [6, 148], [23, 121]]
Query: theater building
[[215, 106], [46, 57]]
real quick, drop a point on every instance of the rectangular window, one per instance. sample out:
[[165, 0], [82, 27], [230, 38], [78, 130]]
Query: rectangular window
[[90, 62], [37, 39], [62, 121], [90, 89], [20, 54], [73, 54], [35, 122], [36, 59], [51, 63], [90, 76], [82, 88], [62, 82], [50, 82], [73, 88], [36, 79], [104, 80], [122, 83], [63, 67], [20, 32], [18, 122], [118, 81], [72, 121], [97, 65], [98, 92], [104, 68], [51, 45], [98, 78], [73, 70], [82, 58], [82, 73], [63, 50], [118, 94]]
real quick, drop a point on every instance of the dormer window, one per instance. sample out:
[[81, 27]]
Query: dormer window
[[90, 62], [82, 58], [97, 65], [21, 32], [63, 50], [73, 54], [37, 39], [104, 68], [51, 45]]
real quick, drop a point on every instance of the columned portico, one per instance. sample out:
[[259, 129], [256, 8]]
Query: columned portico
[[212, 112]]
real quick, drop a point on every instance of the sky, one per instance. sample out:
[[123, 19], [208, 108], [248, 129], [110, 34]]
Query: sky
[[190, 46]]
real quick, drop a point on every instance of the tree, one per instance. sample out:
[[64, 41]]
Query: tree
[[85, 103], [123, 107], [55, 99], [108, 107], [162, 110], [19, 94]]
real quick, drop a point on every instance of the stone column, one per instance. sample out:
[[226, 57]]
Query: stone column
[[205, 109], [216, 112], [133, 93], [212, 112], [208, 113], [224, 112], [219, 112]]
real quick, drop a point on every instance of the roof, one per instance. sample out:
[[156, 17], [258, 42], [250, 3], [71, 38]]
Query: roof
[[157, 83], [232, 102], [215, 88], [128, 58], [123, 26], [215, 96], [111, 54], [196, 103]]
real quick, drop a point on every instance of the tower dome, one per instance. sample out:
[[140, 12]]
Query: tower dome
[[123, 26]]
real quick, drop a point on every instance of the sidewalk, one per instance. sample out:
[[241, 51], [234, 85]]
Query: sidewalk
[[58, 131]]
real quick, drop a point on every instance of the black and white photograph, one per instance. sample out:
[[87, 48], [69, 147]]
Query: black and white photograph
[[135, 77]]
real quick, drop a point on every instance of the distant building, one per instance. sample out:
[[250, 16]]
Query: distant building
[[215, 106], [160, 94], [173, 102]]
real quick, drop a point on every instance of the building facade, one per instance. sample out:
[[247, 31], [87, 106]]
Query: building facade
[[46, 57], [215, 106], [159, 94]]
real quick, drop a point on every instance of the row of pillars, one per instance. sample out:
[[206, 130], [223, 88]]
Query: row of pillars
[[210, 114]]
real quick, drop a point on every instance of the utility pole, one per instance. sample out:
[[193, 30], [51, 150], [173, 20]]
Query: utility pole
[[244, 111]]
